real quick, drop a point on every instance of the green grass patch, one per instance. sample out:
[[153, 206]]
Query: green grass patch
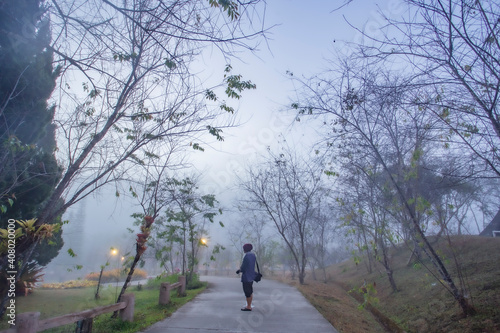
[[56, 302]]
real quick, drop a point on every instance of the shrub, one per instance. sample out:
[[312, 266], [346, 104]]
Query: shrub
[[155, 283], [28, 279], [27, 282], [195, 282], [69, 284], [158, 280]]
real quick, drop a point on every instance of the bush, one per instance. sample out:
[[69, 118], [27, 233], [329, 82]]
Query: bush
[[116, 274], [69, 284], [158, 280], [195, 282], [29, 279]]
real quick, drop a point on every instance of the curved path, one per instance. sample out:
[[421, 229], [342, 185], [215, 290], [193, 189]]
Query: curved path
[[277, 308]]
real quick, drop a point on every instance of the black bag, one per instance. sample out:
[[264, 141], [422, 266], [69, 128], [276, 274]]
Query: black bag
[[258, 276]]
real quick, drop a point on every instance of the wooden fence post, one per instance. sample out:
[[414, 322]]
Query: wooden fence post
[[164, 293], [182, 289], [27, 322], [127, 314], [84, 325]]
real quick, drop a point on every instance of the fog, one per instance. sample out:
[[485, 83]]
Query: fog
[[96, 224], [304, 37]]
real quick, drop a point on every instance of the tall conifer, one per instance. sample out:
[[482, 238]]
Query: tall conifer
[[28, 167]]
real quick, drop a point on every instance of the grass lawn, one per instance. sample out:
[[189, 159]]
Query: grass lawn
[[57, 302]]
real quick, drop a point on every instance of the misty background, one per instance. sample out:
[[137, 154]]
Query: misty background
[[306, 34]]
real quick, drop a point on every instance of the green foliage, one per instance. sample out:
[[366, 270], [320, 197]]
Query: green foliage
[[302, 110], [31, 276], [210, 95], [196, 146], [29, 230], [179, 231], [227, 108], [332, 173], [142, 113], [215, 132], [231, 7], [49, 248], [75, 267], [4, 207], [170, 64], [216, 250], [368, 292], [158, 280], [194, 282], [357, 259], [92, 93], [234, 87], [124, 57], [71, 253]]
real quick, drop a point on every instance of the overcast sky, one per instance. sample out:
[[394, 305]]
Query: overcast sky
[[306, 35]]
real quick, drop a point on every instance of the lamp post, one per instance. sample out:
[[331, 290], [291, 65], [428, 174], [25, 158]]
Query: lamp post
[[204, 242]]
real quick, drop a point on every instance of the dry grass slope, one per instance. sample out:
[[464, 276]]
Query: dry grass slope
[[422, 304]]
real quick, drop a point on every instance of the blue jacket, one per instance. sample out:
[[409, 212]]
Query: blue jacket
[[248, 267]]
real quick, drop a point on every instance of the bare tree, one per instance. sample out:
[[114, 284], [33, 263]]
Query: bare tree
[[253, 227], [452, 46], [321, 235], [365, 209], [366, 121], [149, 196], [128, 80], [135, 65], [287, 190], [351, 203]]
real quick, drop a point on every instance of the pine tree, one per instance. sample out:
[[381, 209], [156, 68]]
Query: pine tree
[[28, 167]]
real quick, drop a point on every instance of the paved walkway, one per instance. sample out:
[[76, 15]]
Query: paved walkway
[[277, 308]]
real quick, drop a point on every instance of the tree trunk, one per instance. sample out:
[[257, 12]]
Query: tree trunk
[[98, 284], [387, 265], [467, 309], [129, 277], [369, 265]]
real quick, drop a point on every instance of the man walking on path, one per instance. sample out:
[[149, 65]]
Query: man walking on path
[[248, 274]]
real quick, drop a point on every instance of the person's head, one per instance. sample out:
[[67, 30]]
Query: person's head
[[247, 248]]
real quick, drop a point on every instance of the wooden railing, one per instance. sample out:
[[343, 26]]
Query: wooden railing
[[166, 287], [29, 322]]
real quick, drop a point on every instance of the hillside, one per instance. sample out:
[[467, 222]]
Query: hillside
[[422, 304]]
